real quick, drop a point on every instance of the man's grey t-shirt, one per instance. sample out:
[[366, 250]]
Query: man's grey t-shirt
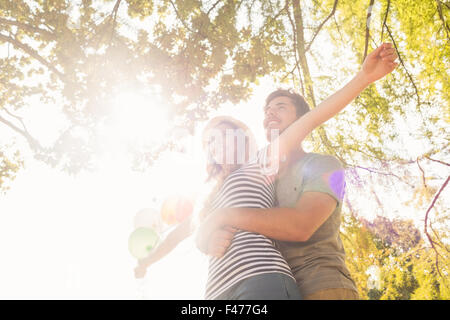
[[319, 262]]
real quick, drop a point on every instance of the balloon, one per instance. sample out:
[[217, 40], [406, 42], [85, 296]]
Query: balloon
[[148, 218], [168, 210], [142, 241], [183, 210], [176, 209]]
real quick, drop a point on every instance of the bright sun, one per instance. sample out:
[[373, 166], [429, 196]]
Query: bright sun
[[137, 118]]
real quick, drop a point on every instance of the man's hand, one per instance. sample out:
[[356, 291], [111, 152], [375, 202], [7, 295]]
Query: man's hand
[[379, 62]]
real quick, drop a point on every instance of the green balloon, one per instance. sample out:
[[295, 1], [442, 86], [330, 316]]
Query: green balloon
[[142, 241]]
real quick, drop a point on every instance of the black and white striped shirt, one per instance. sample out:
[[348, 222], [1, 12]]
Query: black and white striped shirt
[[250, 254]]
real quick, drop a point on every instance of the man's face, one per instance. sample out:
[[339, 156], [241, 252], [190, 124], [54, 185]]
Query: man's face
[[279, 114]]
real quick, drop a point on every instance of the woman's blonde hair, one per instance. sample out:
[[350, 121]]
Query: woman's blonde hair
[[216, 121], [215, 170]]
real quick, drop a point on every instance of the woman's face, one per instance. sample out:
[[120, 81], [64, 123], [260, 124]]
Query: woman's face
[[227, 146]]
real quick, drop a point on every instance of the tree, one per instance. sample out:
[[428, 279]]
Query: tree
[[384, 269], [8, 168], [397, 233], [190, 43]]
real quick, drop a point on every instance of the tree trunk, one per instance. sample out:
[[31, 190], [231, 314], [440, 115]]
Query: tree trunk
[[300, 47]]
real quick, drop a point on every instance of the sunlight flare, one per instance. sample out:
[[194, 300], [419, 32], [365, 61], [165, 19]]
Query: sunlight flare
[[136, 118]]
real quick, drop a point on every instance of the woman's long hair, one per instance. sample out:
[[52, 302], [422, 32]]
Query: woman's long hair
[[216, 171]]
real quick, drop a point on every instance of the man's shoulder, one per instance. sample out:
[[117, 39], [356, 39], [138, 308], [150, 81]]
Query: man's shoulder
[[318, 161]]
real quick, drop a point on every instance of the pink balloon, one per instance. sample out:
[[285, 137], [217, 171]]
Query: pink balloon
[[176, 209]]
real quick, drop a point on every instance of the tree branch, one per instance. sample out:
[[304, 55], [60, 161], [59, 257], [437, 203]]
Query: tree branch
[[441, 16], [28, 27], [365, 153], [438, 161], [212, 8], [338, 28], [322, 24], [426, 222], [385, 19], [403, 64], [423, 173], [294, 32], [33, 53], [369, 14], [179, 17], [299, 27], [350, 207], [198, 33], [439, 242], [381, 173], [34, 144], [300, 47], [114, 18], [276, 15], [14, 116]]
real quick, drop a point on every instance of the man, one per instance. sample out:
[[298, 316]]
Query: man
[[309, 190], [313, 184]]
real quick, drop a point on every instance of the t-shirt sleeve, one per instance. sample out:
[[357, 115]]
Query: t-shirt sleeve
[[325, 174]]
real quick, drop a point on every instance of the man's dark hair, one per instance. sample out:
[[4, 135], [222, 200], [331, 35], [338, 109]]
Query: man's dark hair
[[301, 106]]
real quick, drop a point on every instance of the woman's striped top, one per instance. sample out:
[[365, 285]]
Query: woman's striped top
[[250, 254]]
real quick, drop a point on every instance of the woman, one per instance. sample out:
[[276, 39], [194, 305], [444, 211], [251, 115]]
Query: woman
[[252, 268], [252, 262]]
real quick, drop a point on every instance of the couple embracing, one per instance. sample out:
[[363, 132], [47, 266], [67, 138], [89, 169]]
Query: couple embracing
[[271, 225]]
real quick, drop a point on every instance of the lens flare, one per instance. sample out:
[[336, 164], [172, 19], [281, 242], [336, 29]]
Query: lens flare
[[176, 209]]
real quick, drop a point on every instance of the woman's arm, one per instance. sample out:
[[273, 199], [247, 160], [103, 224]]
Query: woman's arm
[[181, 232], [377, 64]]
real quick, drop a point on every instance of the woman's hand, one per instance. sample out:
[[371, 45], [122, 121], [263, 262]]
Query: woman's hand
[[140, 271], [379, 63], [212, 224]]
